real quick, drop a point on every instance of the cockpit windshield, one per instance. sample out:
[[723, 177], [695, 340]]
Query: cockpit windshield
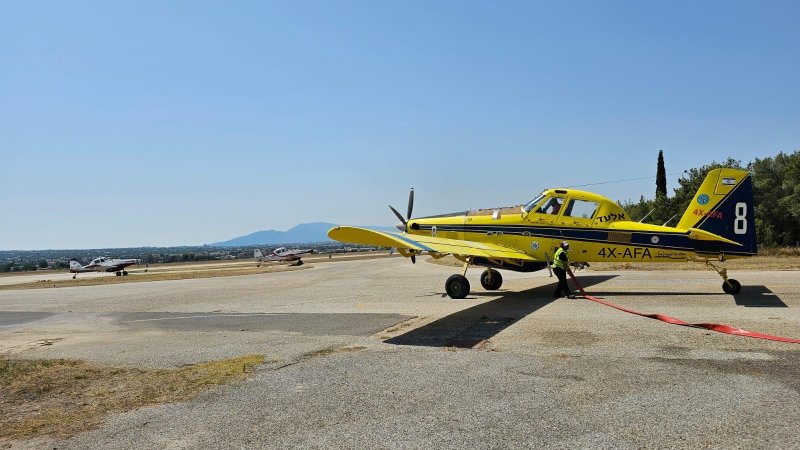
[[551, 206], [529, 206]]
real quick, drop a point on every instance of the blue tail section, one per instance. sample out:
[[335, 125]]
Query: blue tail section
[[732, 215]]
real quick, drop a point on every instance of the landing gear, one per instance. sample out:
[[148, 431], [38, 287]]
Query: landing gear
[[74, 276], [729, 285], [491, 280], [119, 274], [124, 273], [457, 286]]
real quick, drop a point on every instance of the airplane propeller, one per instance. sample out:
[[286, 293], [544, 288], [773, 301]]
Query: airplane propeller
[[399, 216], [408, 213], [410, 203], [407, 218]]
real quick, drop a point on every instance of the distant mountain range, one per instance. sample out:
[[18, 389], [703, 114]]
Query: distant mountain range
[[302, 233]]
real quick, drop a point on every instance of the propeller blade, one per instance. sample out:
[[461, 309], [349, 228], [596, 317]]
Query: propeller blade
[[399, 216], [413, 259], [410, 203]]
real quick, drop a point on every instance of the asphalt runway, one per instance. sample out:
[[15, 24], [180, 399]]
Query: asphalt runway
[[371, 354]]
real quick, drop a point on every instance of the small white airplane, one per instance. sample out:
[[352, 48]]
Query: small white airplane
[[281, 254], [101, 264]]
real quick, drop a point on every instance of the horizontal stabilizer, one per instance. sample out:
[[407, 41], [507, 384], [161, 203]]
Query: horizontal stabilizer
[[700, 235]]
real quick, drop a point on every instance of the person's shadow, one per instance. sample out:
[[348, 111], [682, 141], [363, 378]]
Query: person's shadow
[[470, 327]]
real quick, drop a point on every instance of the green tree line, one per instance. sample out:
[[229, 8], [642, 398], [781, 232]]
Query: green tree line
[[776, 197]]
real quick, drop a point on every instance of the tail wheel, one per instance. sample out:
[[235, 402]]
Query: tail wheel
[[457, 286], [491, 280], [731, 286]]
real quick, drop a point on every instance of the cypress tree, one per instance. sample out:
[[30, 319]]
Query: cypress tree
[[661, 176]]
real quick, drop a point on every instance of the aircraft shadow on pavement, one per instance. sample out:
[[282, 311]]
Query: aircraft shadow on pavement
[[469, 327], [758, 296]]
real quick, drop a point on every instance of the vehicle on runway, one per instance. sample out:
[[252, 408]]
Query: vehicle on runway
[[102, 264], [719, 224], [281, 254]]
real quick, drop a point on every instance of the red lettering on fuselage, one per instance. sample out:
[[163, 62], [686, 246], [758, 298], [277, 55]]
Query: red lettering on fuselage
[[709, 214]]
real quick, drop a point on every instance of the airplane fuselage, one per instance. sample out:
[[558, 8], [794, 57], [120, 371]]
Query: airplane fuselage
[[603, 232]]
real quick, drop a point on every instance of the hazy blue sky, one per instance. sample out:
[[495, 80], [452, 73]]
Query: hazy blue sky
[[164, 123]]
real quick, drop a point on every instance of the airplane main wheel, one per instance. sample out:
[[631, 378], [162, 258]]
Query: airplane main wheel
[[493, 282], [732, 287], [457, 286], [119, 274], [124, 273]]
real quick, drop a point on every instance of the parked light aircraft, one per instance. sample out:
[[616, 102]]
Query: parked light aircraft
[[102, 264], [281, 254], [719, 224]]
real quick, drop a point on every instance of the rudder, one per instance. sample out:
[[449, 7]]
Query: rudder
[[724, 206]]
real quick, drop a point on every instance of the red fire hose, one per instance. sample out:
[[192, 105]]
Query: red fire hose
[[727, 329]]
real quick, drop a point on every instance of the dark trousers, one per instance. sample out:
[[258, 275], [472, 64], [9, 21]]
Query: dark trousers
[[562, 282]]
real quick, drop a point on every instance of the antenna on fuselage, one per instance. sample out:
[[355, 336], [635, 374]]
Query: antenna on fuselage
[[645, 216], [669, 220]]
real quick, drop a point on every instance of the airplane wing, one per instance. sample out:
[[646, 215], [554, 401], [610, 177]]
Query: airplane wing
[[430, 244]]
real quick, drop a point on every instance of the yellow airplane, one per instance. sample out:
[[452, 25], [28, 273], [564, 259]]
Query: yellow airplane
[[718, 225]]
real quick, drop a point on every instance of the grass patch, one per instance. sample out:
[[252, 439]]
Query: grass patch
[[61, 398], [179, 271], [139, 276], [781, 251]]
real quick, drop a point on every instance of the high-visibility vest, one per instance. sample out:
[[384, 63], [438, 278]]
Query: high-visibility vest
[[557, 261]]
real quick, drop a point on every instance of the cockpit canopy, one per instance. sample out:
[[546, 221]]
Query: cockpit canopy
[[529, 206], [575, 204], [280, 250]]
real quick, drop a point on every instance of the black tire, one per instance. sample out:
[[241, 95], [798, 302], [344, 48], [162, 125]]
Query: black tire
[[124, 273], [457, 286], [732, 287], [299, 262], [496, 280]]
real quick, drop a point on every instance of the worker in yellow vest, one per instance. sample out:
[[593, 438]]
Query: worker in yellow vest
[[560, 264]]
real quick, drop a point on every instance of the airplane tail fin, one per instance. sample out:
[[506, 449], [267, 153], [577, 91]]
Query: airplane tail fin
[[257, 253], [74, 264], [723, 206]]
